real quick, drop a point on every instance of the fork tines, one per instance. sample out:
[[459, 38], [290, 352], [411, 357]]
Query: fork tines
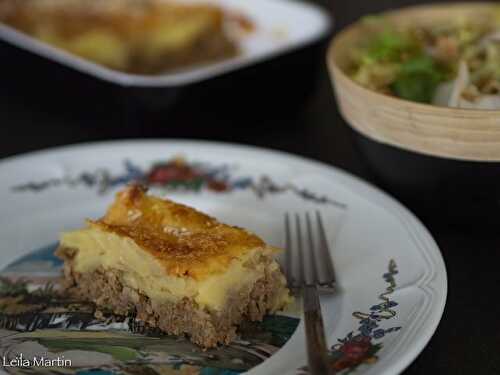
[[307, 259]]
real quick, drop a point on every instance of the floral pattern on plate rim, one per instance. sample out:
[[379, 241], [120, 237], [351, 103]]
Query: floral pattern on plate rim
[[177, 174], [361, 348]]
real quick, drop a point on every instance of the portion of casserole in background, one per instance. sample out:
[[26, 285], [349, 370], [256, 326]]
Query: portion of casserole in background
[[134, 36]]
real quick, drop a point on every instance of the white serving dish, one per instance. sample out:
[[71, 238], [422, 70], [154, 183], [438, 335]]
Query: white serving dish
[[281, 26]]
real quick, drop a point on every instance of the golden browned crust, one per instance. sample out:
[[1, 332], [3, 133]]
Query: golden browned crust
[[132, 23], [185, 241], [126, 17]]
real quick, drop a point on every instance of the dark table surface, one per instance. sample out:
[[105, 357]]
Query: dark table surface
[[468, 337]]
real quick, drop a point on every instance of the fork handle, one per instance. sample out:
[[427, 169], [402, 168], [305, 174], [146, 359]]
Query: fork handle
[[317, 350]]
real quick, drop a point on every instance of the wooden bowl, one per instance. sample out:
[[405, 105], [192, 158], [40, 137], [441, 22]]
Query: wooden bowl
[[420, 150]]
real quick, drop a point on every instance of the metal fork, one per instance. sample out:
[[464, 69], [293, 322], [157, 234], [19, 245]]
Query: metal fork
[[311, 270]]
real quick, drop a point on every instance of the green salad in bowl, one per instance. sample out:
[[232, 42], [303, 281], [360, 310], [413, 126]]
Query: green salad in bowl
[[454, 63]]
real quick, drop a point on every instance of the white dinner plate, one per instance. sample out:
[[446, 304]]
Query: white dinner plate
[[392, 279], [281, 26]]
